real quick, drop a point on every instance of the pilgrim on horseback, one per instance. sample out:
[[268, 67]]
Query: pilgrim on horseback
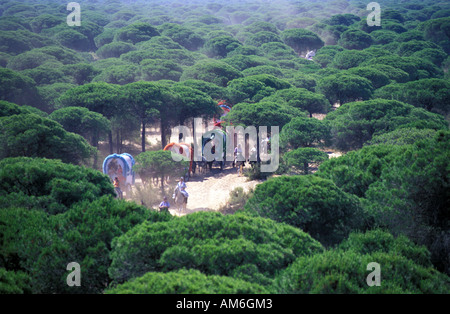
[[180, 195]]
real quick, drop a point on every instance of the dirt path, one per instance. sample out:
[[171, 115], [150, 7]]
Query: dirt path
[[211, 190]]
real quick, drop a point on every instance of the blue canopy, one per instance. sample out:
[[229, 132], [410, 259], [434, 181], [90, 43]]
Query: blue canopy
[[126, 163]]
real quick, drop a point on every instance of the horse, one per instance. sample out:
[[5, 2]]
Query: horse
[[180, 200], [240, 166], [202, 165], [239, 163]]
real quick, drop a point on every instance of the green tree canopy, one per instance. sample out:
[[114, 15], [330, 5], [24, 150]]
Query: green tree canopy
[[44, 21], [325, 55], [47, 74], [212, 71], [192, 103], [392, 73], [158, 164], [355, 123], [98, 97], [248, 89], [347, 59], [16, 87], [8, 109], [14, 282], [406, 49], [89, 227], [261, 26], [242, 62], [261, 38], [36, 243], [271, 81], [114, 50], [342, 19], [304, 132], [404, 187], [276, 51], [23, 235], [220, 46], [180, 56], [436, 30], [106, 37], [216, 244], [186, 281], [81, 73], [30, 135], [431, 94], [376, 77], [330, 33], [182, 35], [302, 80], [63, 55], [383, 37], [216, 92], [355, 171], [262, 113], [402, 136], [49, 185], [160, 69], [145, 100], [29, 60], [91, 125], [411, 196], [72, 39], [15, 42], [119, 74], [301, 40], [355, 39], [302, 99], [344, 87], [300, 158], [245, 51], [416, 69], [154, 42], [48, 95], [344, 270], [435, 55], [264, 69], [315, 205], [136, 32]]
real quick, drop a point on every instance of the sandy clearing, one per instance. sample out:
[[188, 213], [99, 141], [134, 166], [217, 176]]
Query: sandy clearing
[[211, 190]]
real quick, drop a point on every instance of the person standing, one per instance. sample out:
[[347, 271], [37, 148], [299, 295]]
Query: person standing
[[182, 187], [253, 154], [117, 188], [164, 206]]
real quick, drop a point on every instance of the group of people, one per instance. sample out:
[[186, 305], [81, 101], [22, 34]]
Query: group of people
[[165, 205], [181, 186]]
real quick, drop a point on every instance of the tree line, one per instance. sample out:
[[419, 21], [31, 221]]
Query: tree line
[[311, 228]]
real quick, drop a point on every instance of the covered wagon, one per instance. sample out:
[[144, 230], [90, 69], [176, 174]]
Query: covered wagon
[[120, 166]]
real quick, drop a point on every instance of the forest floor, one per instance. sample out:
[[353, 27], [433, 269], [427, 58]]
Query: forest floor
[[208, 191], [211, 190]]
